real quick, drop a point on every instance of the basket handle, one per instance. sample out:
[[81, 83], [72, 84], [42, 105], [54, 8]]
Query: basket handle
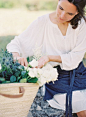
[[21, 91]]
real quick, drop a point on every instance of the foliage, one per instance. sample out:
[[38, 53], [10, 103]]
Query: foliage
[[11, 71], [42, 5], [6, 4], [30, 5]]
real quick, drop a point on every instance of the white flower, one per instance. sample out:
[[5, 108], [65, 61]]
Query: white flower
[[41, 81], [47, 67], [34, 63], [35, 71], [53, 75], [0, 67], [39, 72], [32, 72], [25, 67], [44, 75], [47, 76]]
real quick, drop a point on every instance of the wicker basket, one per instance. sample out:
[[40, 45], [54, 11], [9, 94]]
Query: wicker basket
[[16, 99]]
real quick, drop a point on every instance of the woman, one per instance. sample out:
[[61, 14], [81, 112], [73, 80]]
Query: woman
[[63, 39]]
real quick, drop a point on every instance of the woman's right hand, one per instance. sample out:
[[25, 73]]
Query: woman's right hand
[[21, 60]]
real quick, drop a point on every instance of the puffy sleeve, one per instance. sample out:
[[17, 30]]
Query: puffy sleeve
[[25, 42], [72, 59]]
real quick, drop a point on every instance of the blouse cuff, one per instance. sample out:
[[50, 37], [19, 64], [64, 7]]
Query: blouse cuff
[[67, 64]]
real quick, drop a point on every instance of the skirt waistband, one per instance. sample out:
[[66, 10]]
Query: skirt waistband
[[67, 72]]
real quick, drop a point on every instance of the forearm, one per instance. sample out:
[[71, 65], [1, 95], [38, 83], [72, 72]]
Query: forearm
[[55, 58]]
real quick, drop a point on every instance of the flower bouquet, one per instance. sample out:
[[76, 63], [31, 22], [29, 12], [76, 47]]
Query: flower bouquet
[[19, 84]]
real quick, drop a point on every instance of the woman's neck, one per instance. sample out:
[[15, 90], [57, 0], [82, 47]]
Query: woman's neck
[[62, 26]]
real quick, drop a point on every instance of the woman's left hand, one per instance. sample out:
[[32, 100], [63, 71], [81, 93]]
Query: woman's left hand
[[42, 61]]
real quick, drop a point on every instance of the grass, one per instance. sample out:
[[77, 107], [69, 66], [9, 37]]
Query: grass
[[4, 40]]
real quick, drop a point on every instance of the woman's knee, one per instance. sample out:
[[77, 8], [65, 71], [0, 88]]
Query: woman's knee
[[81, 113]]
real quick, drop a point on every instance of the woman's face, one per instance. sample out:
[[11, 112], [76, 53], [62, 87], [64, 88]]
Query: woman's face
[[65, 11]]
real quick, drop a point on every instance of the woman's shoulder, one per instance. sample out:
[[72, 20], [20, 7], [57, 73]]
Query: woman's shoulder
[[40, 21], [43, 17]]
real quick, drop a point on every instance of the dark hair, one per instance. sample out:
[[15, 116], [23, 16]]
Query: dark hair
[[80, 4]]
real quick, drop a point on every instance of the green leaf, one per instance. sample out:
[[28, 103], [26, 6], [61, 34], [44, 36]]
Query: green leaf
[[12, 78], [17, 74], [24, 80], [28, 59], [32, 80], [5, 82], [18, 78], [23, 73], [2, 79], [21, 67]]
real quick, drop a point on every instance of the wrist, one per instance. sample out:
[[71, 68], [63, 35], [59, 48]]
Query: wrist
[[49, 58], [54, 58], [15, 54]]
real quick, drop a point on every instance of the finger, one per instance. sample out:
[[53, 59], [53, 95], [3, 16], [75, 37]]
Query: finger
[[25, 62], [15, 59], [22, 61], [40, 66]]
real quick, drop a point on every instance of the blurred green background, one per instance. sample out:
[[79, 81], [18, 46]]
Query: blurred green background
[[30, 4], [16, 15]]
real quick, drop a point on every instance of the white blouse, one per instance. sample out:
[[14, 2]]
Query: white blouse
[[71, 48], [43, 32]]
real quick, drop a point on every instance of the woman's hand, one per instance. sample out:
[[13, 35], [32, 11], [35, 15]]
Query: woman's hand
[[42, 61], [21, 60]]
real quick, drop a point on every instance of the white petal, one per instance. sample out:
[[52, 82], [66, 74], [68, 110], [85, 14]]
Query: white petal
[[31, 74], [33, 63]]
